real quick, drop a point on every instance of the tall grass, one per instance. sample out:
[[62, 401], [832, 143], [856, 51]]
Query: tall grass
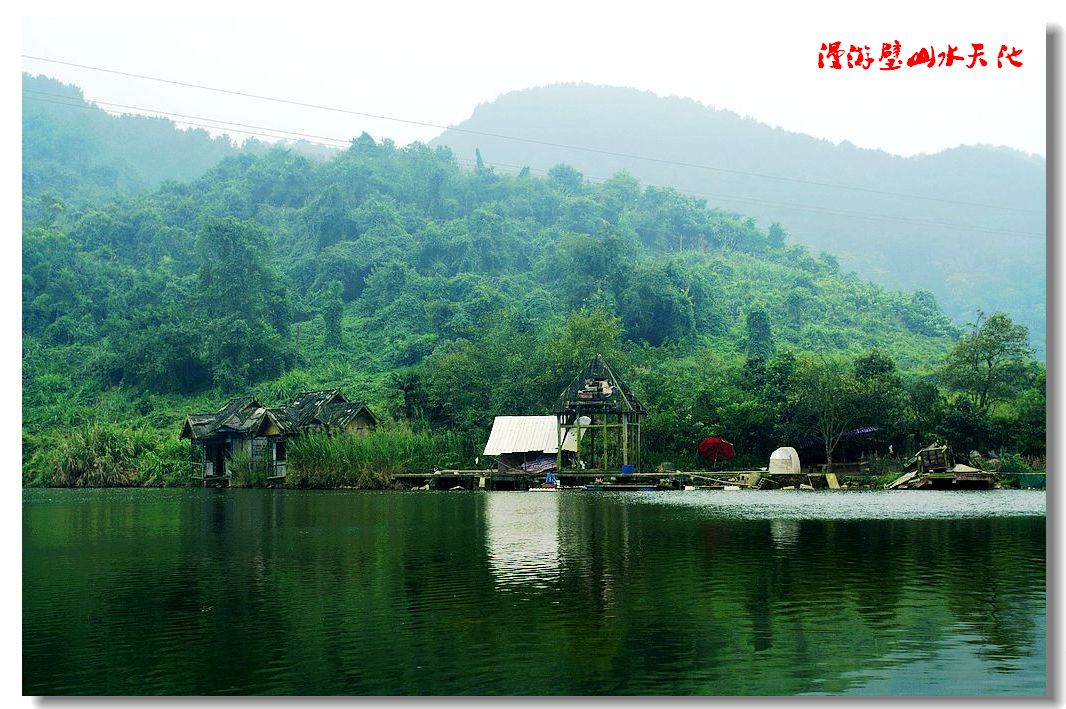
[[106, 455], [249, 471], [367, 461], [110, 455], [1011, 464]]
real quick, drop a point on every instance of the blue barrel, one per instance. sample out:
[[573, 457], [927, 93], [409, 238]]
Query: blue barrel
[[628, 469]]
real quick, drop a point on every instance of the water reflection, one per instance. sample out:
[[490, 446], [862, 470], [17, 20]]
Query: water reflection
[[785, 534], [522, 538], [253, 591]]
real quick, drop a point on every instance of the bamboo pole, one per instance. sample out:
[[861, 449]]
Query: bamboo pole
[[559, 437]]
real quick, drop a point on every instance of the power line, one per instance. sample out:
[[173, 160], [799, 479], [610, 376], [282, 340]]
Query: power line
[[170, 114], [532, 141], [339, 143], [204, 125]]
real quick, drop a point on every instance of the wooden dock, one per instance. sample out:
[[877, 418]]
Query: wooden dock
[[593, 480], [687, 480]]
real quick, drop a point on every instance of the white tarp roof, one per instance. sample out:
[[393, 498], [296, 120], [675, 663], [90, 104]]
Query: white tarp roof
[[526, 434], [784, 460]]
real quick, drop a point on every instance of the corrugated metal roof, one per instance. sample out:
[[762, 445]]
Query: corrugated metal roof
[[523, 434], [527, 434]]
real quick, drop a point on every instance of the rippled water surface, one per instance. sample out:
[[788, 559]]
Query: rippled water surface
[[716, 592]]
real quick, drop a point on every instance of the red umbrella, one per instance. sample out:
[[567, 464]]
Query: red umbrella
[[712, 448]]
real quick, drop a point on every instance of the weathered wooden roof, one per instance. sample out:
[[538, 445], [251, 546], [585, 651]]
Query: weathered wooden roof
[[598, 388], [310, 409], [283, 419], [307, 406], [340, 414], [197, 425], [238, 407], [238, 414]]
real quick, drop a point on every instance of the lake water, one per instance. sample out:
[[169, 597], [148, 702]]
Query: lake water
[[707, 592]]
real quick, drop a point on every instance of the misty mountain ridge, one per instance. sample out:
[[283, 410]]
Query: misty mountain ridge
[[698, 105], [75, 148]]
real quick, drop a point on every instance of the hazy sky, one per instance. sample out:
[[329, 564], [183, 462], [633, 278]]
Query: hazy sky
[[436, 62]]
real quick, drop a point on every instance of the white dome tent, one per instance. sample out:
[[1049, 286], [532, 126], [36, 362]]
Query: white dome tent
[[784, 460]]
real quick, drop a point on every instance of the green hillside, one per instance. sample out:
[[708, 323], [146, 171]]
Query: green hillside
[[996, 261], [445, 297]]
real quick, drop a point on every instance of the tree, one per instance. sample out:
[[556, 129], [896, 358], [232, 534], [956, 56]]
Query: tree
[[1031, 423], [159, 349], [566, 179], [244, 301], [407, 383], [988, 363], [457, 386], [831, 397], [654, 309], [965, 426], [328, 218], [760, 340], [586, 332], [235, 274], [880, 391], [332, 310], [776, 236], [925, 408]]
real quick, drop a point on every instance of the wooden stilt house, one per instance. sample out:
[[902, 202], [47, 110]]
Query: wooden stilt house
[[244, 427]]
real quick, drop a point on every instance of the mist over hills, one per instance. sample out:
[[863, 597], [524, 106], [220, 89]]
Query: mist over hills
[[76, 150], [970, 230]]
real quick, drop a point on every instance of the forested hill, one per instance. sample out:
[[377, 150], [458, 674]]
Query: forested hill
[[75, 150], [899, 242], [445, 296]]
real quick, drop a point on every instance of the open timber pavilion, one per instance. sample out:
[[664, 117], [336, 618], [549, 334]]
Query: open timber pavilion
[[599, 412]]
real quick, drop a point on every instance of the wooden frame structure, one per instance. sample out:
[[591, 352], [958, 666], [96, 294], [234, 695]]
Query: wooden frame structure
[[605, 419]]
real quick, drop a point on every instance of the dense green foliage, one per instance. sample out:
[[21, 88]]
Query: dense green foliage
[[897, 241], [445, 297]]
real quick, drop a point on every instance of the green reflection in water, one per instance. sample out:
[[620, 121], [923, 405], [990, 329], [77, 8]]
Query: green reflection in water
[[260, 591]]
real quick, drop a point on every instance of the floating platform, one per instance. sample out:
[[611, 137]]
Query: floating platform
[[959, 478]]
